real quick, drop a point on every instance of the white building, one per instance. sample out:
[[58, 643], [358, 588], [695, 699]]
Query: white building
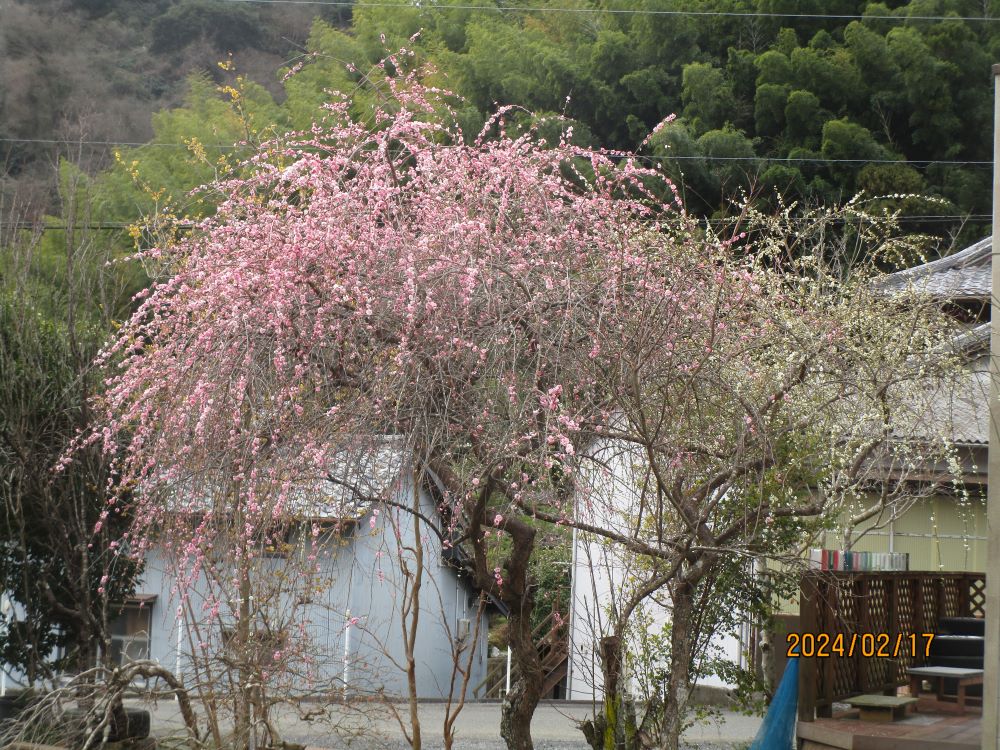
[[600, 583]]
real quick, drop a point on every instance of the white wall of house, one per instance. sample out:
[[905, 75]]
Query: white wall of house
[[602, 569], [597, 587]]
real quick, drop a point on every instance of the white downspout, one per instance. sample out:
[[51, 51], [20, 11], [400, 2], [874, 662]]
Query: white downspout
[[347, 652]]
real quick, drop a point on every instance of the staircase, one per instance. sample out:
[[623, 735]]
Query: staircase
[[551, 638], [959, 642]]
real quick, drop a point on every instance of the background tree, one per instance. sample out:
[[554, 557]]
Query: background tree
[[747, 420], [913, 84], [58, 562]]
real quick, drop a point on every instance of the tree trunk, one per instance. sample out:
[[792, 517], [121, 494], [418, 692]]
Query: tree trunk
[[520, 703], [611, 666], [516, 712], [411, 618], [242, 718], [615, 726], [516, 593], [681, 652]]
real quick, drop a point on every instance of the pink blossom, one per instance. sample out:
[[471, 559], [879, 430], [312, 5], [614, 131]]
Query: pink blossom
[[472, 298]]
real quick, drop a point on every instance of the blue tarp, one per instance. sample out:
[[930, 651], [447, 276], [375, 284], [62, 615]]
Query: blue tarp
[[778, 730]]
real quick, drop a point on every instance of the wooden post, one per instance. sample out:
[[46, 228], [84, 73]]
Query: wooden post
[[892, 627], [863, 626], [963, 595], [829, 605], [809, 601], [991, 676], [919, 624], [938, 604]]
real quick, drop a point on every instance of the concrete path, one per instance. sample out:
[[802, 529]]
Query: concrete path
[[555, 727]]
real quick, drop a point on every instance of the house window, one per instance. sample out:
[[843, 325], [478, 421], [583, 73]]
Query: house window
[[130, 631], [260, 649], [279, 542]]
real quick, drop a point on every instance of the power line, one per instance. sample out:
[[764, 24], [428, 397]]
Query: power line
[[420, 5], [128, 144], [667, 157], [27, 224], [816, 160], [24, 224]]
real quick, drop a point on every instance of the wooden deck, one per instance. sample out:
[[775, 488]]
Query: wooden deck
[[933, 726], [845, 603]]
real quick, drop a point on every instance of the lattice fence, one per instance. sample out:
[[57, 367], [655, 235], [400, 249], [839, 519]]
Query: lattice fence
[[898, 604]]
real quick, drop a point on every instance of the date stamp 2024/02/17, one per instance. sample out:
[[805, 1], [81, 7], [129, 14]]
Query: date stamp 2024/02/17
[[869, 645]]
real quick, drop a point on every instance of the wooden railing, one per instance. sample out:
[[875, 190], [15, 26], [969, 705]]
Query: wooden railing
[[848, 604], [551, 640]]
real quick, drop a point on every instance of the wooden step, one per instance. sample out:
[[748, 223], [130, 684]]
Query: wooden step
[[962, 626], [958, 645], [881, 708], [555, 677]]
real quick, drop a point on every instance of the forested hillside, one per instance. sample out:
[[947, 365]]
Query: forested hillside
[[882, 97], [829, 106], [97, 70]]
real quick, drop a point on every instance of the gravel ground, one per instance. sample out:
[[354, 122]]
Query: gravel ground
[[554, 728]]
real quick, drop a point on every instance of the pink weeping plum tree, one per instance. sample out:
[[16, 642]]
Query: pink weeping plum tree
[[494, 305], [394, 279]]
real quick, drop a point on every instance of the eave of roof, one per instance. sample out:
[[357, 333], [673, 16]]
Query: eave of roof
[[962, 275], [959, 410], [973, 341]]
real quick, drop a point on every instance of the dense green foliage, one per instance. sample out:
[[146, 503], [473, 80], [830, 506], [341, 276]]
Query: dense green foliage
[[54, 567], [58, 564], [817, 109], [882, 99]]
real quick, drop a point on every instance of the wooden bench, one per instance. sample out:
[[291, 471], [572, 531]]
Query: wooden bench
[[964, 678], [881, 708]]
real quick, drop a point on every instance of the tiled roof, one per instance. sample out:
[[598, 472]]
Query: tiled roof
[[958, 283], [962, 411], [962, 275], [356, 478], [959, 408], [973, 341]]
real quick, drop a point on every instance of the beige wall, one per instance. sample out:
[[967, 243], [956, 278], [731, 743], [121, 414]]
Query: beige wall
[[939, 533]]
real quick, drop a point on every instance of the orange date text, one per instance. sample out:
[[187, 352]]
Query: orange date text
[[868, 645]]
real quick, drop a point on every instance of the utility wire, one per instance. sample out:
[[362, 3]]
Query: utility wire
[[815, 160], [24, 224], [129, 144], [420, 5], [639, 157]]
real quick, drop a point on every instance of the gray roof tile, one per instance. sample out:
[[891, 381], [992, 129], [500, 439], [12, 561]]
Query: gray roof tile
[[962, 275], [960, 407], [962, 411]]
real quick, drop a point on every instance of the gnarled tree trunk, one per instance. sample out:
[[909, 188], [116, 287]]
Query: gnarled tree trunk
[[519, 704], [682, 647]]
